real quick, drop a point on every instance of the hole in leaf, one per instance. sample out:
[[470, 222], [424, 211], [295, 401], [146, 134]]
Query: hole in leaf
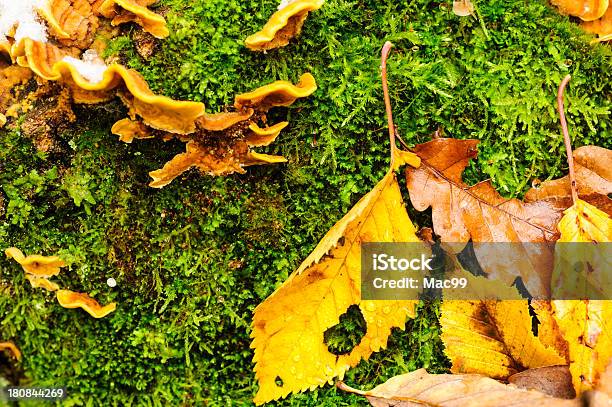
[[535, 321], [342, 338], [278, 381], [521, 288], [468, 260]]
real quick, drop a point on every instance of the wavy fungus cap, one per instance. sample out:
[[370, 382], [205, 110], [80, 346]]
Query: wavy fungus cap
[[212, 161], [73, 22], [10, 346], [279, 93], [5, 49], [284, 25], [128, 130], [587, 10], [602, 27], [263, 137], [71, 299], [123, 11], [41, 282], [39, 266], [223, 121], [159, 112]]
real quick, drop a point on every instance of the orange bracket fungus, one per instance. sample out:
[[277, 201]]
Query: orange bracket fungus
[[279, 93], [222, 142], [128, 130], [160, 112], [10, 346], [223, 121], [72, 22], [586, 10], [602, 26], [41, 282], [71, 299], [284, 25], [217, 144], [38, 266], [207, 161], [59, 56], [124, 11], [595, 14]]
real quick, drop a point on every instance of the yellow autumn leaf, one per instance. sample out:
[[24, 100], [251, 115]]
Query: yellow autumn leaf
[[493, 338], [488, 336], [289, 326], [584, 323], [585, 223]]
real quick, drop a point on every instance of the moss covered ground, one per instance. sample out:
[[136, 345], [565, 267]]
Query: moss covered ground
[[192, 260]]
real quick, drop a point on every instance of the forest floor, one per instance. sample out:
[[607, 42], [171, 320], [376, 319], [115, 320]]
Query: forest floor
[[192, 260]]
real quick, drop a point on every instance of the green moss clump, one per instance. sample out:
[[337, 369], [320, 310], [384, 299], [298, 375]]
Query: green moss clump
[[193, 260]]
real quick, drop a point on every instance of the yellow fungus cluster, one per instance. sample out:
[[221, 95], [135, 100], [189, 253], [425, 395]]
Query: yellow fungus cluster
[[595, 14], [221, 143], [284, 25], [38, 271], [217, 144]]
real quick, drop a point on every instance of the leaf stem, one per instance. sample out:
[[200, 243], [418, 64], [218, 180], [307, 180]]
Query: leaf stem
[[566, 137], [385, 54]]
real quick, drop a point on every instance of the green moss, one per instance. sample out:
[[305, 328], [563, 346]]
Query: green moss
[[193, 260]]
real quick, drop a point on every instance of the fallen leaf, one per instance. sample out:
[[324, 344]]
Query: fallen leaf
[[584, 325], [420, 388], [71, 299], [289, 326], [602, 395], [461, 213], [593, 178], [555, 381], [493, 338], [585, 223]]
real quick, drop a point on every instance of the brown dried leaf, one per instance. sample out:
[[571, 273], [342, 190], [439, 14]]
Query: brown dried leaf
[[419, 388], [461, 212], [556, 381], [463, 8], [593, 179]]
